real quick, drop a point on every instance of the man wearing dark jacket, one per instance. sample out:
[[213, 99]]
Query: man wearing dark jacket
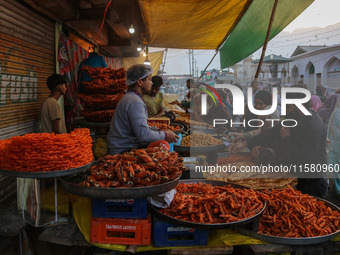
[[297, 146]]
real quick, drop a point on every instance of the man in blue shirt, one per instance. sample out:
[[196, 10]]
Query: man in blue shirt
[[93, 60], [129, 126]]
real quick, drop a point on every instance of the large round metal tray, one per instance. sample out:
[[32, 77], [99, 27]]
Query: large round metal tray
[[179, 148], [43, 175], [290, 240], [181, 130], [106, 193], [185, 126], [208, 226]]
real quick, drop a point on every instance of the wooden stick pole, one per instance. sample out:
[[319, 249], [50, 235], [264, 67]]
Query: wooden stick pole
[[265, 44]]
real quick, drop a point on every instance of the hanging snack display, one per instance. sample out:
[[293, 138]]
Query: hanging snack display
[[43, 152], [164, 126], [98, 116], [247, 173], [204, 203], [233, 159], [99, 101], [289, 213], [136, 168], [104, 72], [102, 94], [200, 140], [105, 86]]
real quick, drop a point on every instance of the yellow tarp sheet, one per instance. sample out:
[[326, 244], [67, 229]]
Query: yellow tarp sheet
[[82, 213], [155, 59], [190, 24]]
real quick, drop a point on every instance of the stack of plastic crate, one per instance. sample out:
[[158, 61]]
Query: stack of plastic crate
[[166, 234], [120, 221]]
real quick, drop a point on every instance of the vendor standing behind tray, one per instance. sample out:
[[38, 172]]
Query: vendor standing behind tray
[[304, 144], [129, 126], [155, 100], [52, 118]]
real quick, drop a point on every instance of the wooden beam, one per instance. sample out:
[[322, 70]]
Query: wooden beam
[[265, 43], [88, 30], [92, 13], [43, 11], [100, 2], [114, 21], [111, 51], [130, 51], [84, 4], [129, 12], [117, 41], [58, 10]]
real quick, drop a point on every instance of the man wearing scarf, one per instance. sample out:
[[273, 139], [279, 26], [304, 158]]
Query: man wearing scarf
[[129, 126]]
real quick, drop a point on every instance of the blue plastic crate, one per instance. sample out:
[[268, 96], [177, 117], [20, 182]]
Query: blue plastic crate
[[166, 234], [120, 208]]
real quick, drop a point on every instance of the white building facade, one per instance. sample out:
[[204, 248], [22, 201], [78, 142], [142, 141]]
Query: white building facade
[[313, 68]]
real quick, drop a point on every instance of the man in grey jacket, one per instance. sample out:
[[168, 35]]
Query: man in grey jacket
[[129, 126]]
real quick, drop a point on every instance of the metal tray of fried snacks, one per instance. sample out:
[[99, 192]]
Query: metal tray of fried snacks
[[180, 130], [219, 147], [251, 220], [70, 184], [185, 125], [47, 174], [293, 240]]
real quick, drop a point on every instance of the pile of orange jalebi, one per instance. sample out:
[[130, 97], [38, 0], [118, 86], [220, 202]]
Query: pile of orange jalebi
[[98, 116], [105, 86], [289, 213], [46, 152], [104, 72], [100, 101], [102, 93], [163, 126], [135, 168], [233, 159]]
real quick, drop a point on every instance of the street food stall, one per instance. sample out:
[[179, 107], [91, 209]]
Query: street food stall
[[138, 200]]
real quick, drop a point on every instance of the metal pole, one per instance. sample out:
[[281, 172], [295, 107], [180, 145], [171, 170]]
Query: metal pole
[[164, 60], [189, 63], [265, 43], [193, 64]]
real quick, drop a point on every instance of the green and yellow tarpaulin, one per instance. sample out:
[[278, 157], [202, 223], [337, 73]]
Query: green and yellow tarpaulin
[[155, 59], [206, 24], [249, 34]]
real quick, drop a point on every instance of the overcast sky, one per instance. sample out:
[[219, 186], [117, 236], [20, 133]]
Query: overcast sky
[[320, 13]]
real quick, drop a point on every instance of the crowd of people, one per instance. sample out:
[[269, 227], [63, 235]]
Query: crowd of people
[[306, 143], [315, 140]]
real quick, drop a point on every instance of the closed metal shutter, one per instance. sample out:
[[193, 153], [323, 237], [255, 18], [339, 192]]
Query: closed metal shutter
[[333, 79], [311, 82], [27, 58]]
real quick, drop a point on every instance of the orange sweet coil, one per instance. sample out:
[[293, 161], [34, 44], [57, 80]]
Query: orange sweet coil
[[43, 152], [105, 86], [100, 101], [98, 116], [135, 168], [233, 159], [289, 213], [207, 204], [163, 126], [104, 72]]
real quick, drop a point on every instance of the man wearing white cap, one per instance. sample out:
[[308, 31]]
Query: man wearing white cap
[[129, 126]]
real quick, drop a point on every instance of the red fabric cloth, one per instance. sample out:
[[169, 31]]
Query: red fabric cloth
[[161, 143], [70, 55]]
